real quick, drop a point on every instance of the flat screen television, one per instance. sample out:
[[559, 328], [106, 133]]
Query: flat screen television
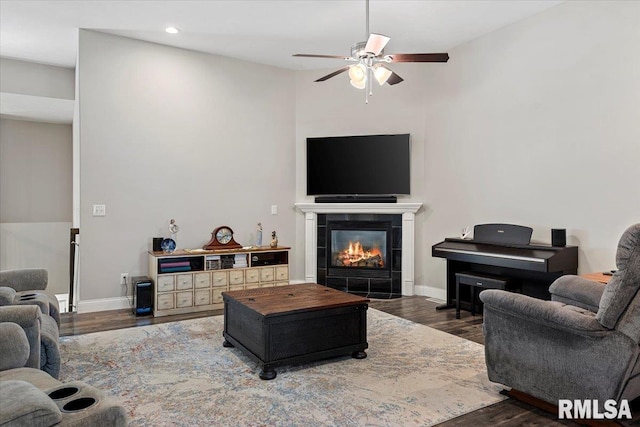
[[358, 165]]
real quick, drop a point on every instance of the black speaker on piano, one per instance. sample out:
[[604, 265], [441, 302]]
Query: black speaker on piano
[[142, 288], [558, 237]]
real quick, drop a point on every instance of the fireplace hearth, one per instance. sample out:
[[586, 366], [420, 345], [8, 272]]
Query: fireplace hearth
[[361, 253]]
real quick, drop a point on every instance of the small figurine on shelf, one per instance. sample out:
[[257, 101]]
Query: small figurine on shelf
[[169, 245], [274, 239], [259, 235], [173, 228]]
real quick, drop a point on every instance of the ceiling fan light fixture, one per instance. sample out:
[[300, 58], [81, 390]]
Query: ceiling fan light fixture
[[357, 74], [358, 85], [382, 74], [368, 58]]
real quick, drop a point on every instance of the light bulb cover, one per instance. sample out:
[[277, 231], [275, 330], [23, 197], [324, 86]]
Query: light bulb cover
[[382, 74], [358, 84], [172, 30], [357, 73]]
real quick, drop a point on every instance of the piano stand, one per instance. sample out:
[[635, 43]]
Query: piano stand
[[475, 281]]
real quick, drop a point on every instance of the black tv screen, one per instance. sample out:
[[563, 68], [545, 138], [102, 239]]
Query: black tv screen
[[353, 165]]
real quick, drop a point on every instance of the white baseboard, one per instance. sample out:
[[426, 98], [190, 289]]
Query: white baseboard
[[428, 291], [118, 303], [103, 304]]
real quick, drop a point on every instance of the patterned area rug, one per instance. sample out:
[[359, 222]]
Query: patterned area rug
[[179, 373]]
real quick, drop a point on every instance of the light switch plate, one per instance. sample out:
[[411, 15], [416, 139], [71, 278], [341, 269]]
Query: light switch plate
[[99, 210]]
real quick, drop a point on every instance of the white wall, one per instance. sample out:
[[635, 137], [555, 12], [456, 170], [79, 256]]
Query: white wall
[[538, 124], [170, 133], [29, 78], [335, 108], [35, 198], [535, 124]]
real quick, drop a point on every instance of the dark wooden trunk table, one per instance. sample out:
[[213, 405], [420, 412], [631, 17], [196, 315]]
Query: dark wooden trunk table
[[294, 324]]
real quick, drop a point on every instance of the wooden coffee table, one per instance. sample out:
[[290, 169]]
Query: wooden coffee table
[[294, 324]]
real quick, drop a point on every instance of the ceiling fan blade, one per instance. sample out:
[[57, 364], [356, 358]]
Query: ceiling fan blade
[[376, 43], [394, 79], [335, 73], [418, 57], [308, 55]]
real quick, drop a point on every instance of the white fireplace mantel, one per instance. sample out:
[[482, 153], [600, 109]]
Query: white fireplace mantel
[[408, 211]]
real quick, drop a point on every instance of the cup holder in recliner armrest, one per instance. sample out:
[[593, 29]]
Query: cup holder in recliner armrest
[[63, 393], [23, 296], [79, 404], [26, 298]]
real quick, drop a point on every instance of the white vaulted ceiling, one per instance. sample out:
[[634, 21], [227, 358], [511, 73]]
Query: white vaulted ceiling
[[262, 31]]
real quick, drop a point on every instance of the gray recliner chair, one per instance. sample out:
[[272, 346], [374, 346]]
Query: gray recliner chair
[[40, 328], [30, 396], [583, 344], [27, 286]]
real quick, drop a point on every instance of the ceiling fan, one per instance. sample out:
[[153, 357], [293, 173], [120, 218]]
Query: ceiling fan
[[370, 61]]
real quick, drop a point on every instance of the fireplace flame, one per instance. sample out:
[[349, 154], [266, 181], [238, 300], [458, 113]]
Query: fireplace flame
[[356, 255]]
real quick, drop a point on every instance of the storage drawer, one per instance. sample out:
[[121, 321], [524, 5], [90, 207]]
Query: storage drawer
[[282, 273], [236, 277], [201, 280], [236, 287], [252, 286], [184, 299], [165, 302], [165, 283], [252, 275], [202, 297], [216, 295], [184, 281], [219, 278], [266, 274]]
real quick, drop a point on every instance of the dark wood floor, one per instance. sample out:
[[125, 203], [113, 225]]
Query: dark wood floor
[[417, 309]]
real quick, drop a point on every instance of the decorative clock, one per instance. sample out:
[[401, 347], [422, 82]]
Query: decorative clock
[[222, 238]]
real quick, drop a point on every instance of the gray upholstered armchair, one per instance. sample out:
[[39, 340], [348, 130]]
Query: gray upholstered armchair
[[30, 397], [27, 286], [39, 328], [583, 344]]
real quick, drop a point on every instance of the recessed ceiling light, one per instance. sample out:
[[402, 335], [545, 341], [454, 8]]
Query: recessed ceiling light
[[172, 30]]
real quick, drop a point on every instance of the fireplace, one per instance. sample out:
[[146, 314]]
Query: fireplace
[[402, 249], [359, 248], [360, 253]]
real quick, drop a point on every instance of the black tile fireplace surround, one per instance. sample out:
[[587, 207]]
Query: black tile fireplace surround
[[377, 274]]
